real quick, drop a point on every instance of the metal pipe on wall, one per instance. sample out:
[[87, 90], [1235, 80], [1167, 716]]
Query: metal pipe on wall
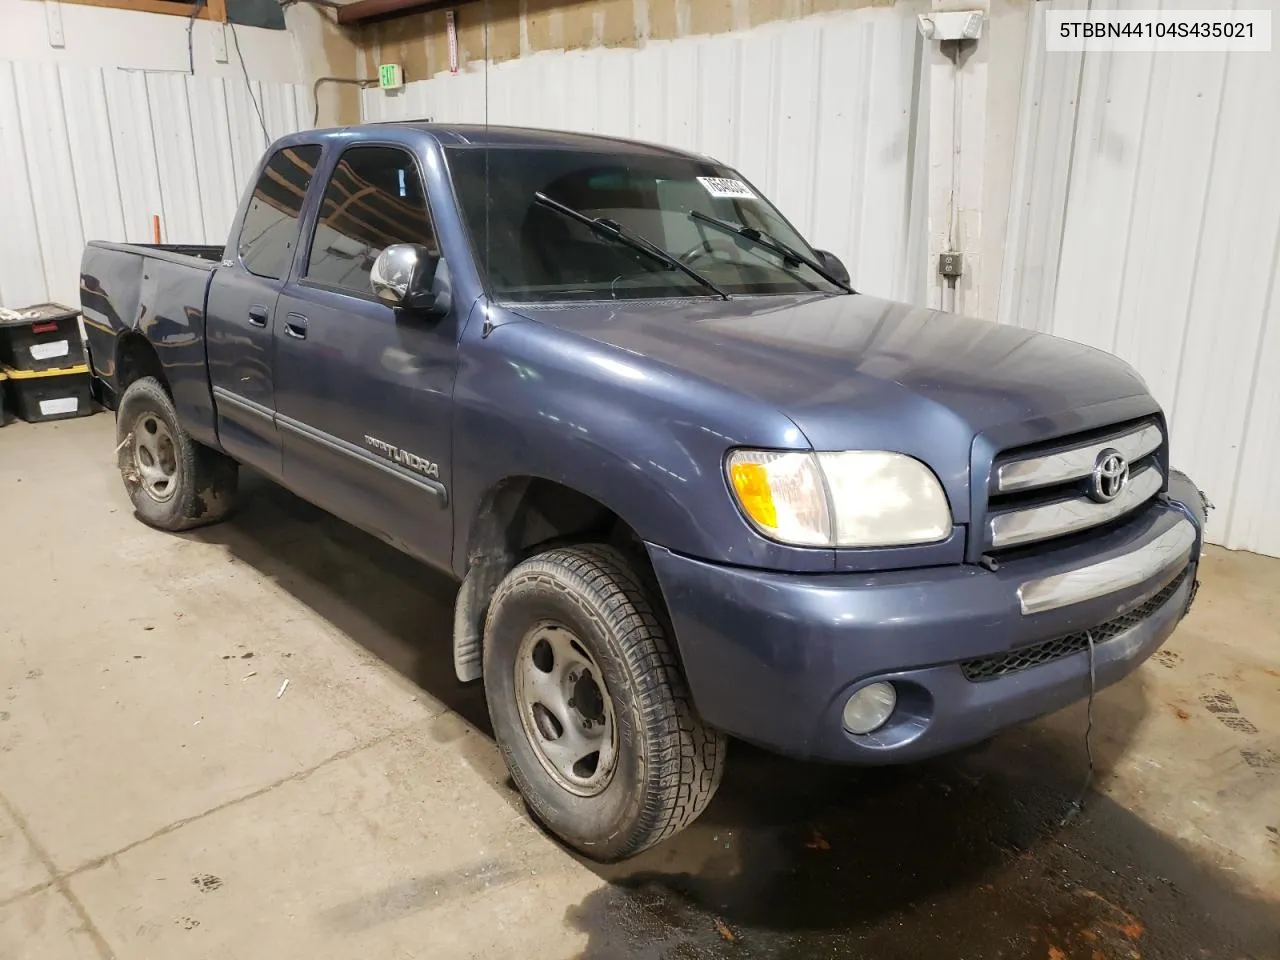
[[957, 99]]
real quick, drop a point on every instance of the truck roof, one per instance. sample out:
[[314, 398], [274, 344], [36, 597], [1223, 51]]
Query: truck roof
[[493, 135]]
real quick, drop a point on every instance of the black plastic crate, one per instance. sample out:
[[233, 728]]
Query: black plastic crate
[[38, 395], [5, 413], [45, 336]]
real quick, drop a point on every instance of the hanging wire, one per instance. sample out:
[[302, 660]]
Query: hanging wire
[[488, 243], [1077, 807], [486, 62], [315, 92], [191, 22], [248, 85]]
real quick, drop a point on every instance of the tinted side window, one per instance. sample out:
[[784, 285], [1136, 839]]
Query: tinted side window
[[270, 227], [373, 199]]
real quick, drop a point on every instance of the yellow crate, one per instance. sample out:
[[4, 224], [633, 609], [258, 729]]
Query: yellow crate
[[9, 373]]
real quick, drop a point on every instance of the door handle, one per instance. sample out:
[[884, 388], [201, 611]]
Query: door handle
[[258, 316], [295, 325]]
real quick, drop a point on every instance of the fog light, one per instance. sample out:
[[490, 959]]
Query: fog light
[[869, 707]]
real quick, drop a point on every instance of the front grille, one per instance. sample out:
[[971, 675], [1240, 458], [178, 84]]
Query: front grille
[[1047, 491], [1046, 651]]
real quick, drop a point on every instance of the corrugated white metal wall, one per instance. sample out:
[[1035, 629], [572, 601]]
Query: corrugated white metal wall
[[819, 113], [92, 154], [1145, 220]]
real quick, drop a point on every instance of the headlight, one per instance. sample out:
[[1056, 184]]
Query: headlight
[[861, 498], [783, 494]]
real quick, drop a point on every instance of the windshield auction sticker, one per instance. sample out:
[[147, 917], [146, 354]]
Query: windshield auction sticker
[[730, 189]]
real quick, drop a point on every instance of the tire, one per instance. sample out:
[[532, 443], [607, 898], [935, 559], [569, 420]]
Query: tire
[[664, 764], [174, 482]]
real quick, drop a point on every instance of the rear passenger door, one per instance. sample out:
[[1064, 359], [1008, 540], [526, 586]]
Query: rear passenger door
[[241, 308], [364, 393]]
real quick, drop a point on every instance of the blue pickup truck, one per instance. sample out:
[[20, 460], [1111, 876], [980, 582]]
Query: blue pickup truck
[[692, 484]]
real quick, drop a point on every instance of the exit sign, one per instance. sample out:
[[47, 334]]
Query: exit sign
[[389, 76]]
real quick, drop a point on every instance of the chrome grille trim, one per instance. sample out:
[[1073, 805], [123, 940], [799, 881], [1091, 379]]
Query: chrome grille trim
[[997, 665], [1075, 462], [1070, 515], [1168, 552]]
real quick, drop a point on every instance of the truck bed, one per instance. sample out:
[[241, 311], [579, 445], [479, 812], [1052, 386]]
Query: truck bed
[[157, 291], [172, 252]]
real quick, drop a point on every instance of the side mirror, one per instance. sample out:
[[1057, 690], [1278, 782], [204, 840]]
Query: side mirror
[[408, 276], [831, 263]]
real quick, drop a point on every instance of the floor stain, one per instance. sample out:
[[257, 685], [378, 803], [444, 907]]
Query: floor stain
[[962, 856], [412, 896], [1239, 724], [1223, 706], [447, 727], [1262, 759], [1219, 702]]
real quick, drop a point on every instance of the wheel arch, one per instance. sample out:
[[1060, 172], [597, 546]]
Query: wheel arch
[[518, 517], [136, 357]]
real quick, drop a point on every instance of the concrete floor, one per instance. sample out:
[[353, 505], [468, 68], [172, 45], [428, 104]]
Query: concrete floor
[[159, 797]]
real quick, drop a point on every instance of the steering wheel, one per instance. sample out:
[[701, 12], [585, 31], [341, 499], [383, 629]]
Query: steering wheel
[[708, 249]]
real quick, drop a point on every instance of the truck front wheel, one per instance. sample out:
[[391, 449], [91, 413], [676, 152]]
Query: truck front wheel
[[174, 482], [590, 708]]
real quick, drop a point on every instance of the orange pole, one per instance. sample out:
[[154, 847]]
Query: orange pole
[[155, 228]]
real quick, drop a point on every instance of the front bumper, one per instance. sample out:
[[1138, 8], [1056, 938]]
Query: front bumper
[[772, 657]]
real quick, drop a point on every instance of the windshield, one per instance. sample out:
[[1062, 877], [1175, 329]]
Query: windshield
[[531, 251]]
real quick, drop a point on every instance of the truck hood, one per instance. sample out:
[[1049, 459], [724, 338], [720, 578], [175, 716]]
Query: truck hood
[[859, 372]]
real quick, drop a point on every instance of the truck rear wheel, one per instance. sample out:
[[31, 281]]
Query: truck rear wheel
[[590, 708], [174, 482]]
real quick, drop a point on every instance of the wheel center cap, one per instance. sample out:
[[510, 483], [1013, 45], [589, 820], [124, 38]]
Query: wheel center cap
[[587, 699]]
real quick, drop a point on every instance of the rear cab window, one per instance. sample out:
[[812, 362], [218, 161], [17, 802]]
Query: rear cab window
[[269, 232]]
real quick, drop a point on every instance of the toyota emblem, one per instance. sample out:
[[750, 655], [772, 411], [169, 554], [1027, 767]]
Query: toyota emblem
[[1110, 476]]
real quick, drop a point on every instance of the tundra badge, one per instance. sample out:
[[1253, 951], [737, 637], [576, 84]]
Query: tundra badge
[[403, 457]]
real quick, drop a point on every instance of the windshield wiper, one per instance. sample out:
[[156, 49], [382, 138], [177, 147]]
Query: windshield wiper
[[616, 231], [762, 239]]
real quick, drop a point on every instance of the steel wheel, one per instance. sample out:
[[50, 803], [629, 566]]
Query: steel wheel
[[565, 709], [155, 458], [589, 707]]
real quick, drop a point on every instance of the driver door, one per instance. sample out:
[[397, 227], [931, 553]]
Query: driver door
[[242, 300], [363, 392]]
